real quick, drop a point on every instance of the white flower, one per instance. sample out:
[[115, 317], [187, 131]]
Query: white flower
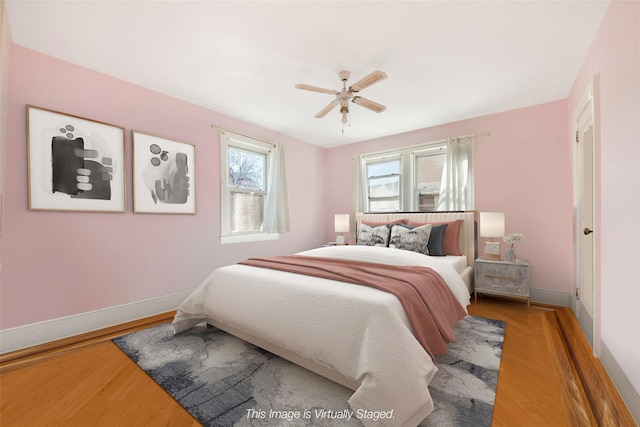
[[513, 238]]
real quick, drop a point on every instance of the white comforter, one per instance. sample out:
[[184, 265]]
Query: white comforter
[[361, 332]]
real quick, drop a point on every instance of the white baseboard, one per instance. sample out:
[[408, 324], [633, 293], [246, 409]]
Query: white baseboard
[[51, 330], [546, 296], [628, 393]]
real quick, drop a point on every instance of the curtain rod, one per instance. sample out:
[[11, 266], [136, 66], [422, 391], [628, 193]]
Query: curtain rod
[[213, 126], [470, 136], [474, 136], [423, 144]]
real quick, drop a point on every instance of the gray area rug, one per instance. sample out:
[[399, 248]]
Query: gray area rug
[[224, 381]]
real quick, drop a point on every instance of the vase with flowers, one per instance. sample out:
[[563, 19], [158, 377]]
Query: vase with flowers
[[512, 239]]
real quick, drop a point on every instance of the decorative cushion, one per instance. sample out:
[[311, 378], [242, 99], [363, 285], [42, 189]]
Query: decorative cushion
[[436, 240], [373, 236], [451, 241], [410, 238]]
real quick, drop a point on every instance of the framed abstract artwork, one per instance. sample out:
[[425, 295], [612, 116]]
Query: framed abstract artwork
[[75, 164], [164, 173]]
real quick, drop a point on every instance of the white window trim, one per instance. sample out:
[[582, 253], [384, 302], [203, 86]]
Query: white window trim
[[248, 237], [371, 159], [431, 149], [407, 156], [228, 138]]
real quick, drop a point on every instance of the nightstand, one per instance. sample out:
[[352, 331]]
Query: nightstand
[[503, 278]]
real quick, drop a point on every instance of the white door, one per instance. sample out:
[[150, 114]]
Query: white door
[[585, 303]]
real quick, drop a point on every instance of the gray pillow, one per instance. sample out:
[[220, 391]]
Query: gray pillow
[[436, 240]]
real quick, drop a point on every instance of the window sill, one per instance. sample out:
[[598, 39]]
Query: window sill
[[252, 237]]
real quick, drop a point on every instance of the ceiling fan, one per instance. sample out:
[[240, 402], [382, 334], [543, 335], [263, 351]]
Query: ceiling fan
[[347, 94]]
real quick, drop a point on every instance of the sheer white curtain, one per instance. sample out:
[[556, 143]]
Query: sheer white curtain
[[456, 188], [359, 186], [277, 216]]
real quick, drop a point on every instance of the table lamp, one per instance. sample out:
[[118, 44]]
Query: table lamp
[[492, 225], [342, 226]]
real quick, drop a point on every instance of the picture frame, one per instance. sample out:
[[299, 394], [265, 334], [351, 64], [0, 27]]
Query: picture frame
[[164, 175], [74, 163], [492, 250]]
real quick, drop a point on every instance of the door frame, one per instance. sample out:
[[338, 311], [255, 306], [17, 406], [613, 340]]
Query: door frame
[[589, 101]]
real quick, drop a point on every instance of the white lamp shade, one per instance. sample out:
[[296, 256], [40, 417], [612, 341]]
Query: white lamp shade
[[491, 224], [342, 223]]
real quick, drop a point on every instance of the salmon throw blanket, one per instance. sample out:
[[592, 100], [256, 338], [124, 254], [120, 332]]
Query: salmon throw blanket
[[431, 307]]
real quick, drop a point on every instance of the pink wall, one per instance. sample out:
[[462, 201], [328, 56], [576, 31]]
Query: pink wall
[[614, 57], [139, 256], [522, 169], [5, 51]]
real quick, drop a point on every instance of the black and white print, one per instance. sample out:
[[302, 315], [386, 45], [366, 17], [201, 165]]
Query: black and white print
[[164, 175], [74, 163]]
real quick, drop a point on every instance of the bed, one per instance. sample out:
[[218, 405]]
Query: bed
[[461, 235], [358, 336]]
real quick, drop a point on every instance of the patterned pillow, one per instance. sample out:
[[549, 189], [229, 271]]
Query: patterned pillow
[[409, 238], [373, 236]]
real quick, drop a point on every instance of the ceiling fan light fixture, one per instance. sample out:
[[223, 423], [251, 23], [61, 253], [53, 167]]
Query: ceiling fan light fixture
[[344, 110], [343, 97]]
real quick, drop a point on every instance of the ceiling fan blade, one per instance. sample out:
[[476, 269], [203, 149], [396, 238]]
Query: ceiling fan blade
[[367, 81], [326, 109], [367, 103], [316, 89]]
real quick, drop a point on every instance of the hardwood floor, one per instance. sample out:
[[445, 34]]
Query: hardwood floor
[[528, 388], [96, 384]]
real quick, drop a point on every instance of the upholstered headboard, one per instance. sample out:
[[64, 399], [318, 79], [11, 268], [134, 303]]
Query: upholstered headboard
[[468, 233]]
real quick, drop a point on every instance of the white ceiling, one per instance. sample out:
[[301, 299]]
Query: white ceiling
[[445, 60]]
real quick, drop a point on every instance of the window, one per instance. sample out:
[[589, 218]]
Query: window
[[244, 168], [417, 178], [247, 189], [428, 166], [383, 185]]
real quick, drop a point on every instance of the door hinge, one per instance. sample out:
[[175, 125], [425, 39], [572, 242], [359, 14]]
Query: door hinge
[[577, 136], [577, 293]]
